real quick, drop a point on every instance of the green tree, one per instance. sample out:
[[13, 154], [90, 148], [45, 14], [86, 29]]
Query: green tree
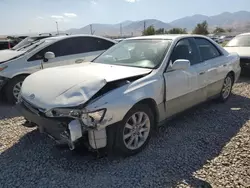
[[149, 31], [160, 31], [201, 28], [219, 30], [177, 31], [229, 30]]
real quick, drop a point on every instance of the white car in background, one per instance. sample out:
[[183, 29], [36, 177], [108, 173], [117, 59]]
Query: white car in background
[[241, 45], [117, 100], [17, 64]]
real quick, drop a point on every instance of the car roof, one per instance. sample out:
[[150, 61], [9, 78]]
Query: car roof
[[61, 37], [166, 36]]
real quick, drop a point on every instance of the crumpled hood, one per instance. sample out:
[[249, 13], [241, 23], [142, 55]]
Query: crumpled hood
[[6, 55], [72, 85], [241, 51]]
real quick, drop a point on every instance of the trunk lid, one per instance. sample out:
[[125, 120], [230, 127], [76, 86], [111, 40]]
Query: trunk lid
[[241, 51]]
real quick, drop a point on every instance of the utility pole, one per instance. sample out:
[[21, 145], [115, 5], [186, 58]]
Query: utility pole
[[144, 26], [91, 29], [57, 28], [121, 30]]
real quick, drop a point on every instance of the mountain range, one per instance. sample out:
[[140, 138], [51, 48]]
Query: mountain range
[[237, 21]]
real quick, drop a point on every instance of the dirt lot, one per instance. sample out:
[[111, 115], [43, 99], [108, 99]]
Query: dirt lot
[[207, 146]]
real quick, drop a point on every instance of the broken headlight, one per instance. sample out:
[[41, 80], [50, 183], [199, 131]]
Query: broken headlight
[[88, 118], [64, 112], [93, 118]]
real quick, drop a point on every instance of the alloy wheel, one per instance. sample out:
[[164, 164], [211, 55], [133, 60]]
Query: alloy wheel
[[136, 130], [227, 86], [17, 89]]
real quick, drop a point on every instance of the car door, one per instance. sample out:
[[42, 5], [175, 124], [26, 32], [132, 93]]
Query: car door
[[215, 63], [91, 47], [182, 86], [72, 50], [63, 54]]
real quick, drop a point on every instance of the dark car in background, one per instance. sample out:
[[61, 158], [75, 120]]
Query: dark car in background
[[6, 44]]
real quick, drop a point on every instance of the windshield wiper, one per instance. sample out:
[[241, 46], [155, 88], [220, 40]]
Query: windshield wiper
[[30, 44]]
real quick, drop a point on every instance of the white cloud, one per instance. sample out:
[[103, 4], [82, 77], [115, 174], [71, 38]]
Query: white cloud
[[57, 17], [39, 18], [93, 2], [132, 1], [70, 15]]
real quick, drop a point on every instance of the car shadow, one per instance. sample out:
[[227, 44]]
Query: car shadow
[[177, 151]]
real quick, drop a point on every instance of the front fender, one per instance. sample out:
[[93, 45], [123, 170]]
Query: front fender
[[119, 101]]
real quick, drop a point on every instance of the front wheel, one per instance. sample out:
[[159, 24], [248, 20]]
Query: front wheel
[[226, 88], [134, 132], [13, 89]]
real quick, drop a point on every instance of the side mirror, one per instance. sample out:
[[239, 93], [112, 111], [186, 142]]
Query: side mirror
[[48, 56], [181, 64]]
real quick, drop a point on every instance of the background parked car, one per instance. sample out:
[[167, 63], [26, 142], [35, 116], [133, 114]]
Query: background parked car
[[6, 44], [241, 45], [31, 39], [16, 65], [118, 99]]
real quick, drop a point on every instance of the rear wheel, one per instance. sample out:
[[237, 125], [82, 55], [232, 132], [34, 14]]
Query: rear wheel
[[13, 89], [227, 88], [134, 132]]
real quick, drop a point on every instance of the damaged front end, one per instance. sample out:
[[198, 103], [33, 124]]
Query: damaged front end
[[70, 125]]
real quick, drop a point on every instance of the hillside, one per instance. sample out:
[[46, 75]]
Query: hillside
[[238, 21]]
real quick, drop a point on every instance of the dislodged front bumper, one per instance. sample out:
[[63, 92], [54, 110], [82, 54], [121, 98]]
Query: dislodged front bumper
[[64, 130]]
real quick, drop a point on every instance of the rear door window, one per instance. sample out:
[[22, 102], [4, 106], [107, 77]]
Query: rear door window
[[207, 49]]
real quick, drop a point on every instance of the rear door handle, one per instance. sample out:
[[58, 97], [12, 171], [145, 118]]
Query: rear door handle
[[202, 73]]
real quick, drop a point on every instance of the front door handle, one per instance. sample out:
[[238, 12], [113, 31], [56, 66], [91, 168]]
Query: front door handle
[[201, 73], [79, 60]]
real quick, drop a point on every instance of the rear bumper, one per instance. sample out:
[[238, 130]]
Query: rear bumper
[[245, 63]]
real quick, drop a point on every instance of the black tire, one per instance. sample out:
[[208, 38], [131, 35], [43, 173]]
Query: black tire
[[9, 89], [119, 146], [223, 98]]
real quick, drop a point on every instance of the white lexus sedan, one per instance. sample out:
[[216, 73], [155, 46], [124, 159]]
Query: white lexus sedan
[[118, 99]]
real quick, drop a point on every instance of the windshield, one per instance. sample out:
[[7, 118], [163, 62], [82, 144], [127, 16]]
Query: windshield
[[136, 53], [239, 41]]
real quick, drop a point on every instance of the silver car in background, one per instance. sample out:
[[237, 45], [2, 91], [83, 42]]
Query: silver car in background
[[16, 64]]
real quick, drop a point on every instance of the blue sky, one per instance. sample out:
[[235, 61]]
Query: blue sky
[[25, 16]]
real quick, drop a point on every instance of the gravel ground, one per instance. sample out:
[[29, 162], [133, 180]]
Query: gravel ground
[[205, 147]]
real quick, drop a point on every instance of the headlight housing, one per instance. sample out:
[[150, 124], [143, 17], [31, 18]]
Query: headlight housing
[[93, 118], [64, 112], [88, 118]]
